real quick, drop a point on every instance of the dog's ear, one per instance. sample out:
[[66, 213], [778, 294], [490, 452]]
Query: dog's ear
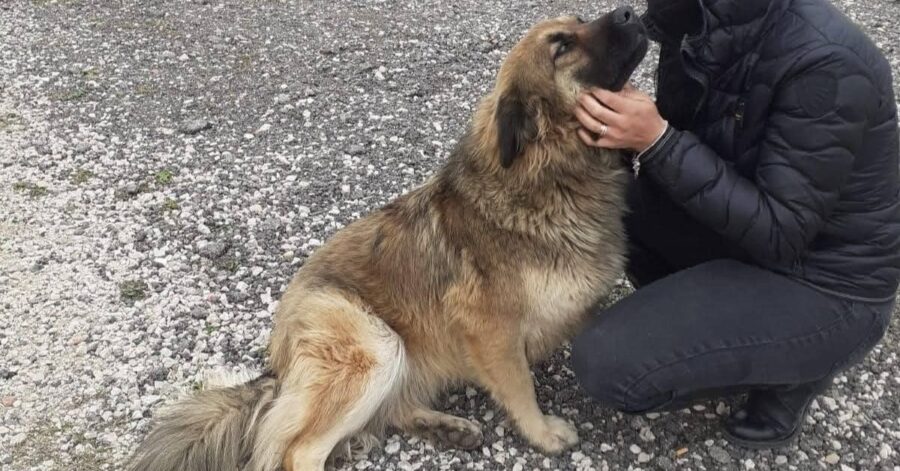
[[515, 127]]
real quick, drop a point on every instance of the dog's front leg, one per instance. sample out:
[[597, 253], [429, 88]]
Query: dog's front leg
[[501, 366]]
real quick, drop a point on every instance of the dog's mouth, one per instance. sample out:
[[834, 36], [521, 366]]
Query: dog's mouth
[[617, 43], [631, 62]]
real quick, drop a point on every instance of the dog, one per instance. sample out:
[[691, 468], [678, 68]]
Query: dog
[[483, 270]]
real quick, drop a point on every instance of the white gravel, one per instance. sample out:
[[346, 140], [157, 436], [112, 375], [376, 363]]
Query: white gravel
[[166, 166]]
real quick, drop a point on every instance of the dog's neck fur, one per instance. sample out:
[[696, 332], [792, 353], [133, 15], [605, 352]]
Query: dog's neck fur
[[588, 183]]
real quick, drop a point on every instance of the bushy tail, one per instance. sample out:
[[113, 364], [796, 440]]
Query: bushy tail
[[214, 430]]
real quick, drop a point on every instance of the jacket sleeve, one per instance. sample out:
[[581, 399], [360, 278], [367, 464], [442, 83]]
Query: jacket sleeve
[[812, 134]]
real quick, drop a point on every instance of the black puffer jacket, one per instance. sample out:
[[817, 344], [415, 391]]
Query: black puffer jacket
[[784, 139]]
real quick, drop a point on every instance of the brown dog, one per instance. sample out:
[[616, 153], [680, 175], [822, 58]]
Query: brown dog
[[481, 271]]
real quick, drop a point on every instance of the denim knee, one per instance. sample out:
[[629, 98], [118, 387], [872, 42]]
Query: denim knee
[[598, 373]]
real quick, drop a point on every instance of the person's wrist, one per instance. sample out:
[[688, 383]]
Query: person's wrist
[[653, 138]]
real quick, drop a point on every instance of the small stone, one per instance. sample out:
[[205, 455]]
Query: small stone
[[17, 439], [392, 447], [605, 448], [8, 401], [263, 129], [131, 189], [719, 454], [634, 449], [829, 403], [832, 458], [82, 147], [721, 408], [356, 149], [194, 126], [664, 463], [885, 451], [183, 57], [282, 98], [781, 460], [213, 250], [643, 458]]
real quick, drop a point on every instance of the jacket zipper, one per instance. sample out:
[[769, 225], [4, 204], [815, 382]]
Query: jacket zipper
[[739, 114]]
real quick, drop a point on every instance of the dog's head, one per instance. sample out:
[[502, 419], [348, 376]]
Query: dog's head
[[543, 74]]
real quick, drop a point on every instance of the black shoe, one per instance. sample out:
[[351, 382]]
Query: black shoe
[[773, 417]]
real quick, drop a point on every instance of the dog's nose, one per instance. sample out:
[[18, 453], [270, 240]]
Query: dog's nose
[[624, 15]]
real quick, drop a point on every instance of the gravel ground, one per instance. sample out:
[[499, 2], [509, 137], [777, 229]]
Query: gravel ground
[[166, 166]]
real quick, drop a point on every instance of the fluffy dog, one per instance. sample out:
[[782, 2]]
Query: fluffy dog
[[481, 271]]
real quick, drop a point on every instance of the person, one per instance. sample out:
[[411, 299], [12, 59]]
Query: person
[[765, 222]]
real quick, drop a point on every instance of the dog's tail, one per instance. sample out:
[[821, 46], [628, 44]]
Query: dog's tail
[[214, 429]]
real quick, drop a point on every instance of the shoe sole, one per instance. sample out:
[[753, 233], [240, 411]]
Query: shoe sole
[[764, 445]]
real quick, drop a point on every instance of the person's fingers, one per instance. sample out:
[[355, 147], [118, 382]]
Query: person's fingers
[[612, 100], [598, 110], [589, 122], [634, 93], [585, 136], [594, 141]]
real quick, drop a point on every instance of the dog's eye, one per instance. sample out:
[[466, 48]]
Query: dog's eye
[[580, 20], [563, 45]]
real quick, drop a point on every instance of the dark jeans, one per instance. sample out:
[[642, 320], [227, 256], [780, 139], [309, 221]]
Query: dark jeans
[[705, 322]]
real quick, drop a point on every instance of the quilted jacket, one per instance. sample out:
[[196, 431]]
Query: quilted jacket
[[783, 138]]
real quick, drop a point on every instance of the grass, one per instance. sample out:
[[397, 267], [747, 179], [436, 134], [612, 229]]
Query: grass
[[170, 204], [144, 89], [11, 120], [31, 189], [164, 177], [133, 290], [72, 94], [228, 264], [82, 176]]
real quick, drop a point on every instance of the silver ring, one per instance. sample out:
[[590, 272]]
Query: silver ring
[[603, 130]]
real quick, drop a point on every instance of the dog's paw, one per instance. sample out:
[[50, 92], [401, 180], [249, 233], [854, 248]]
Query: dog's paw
[[557, 436], [452, 431]]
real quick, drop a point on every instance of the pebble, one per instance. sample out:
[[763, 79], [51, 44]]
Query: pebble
[[213, 250], [392, 447], [832, 458], [18, 439], [195, 126], [720, 455]]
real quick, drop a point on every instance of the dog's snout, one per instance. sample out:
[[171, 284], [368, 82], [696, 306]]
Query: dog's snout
[[624, 15]]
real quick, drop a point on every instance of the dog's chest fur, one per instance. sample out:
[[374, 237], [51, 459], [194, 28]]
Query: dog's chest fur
[[558, 302]]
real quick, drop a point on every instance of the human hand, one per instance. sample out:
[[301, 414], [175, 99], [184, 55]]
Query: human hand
[[619, 120]]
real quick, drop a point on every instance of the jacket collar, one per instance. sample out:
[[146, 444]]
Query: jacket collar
[[731, 29]]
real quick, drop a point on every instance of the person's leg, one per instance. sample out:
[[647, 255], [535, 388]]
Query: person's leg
[[719, 326], [663, 239]]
